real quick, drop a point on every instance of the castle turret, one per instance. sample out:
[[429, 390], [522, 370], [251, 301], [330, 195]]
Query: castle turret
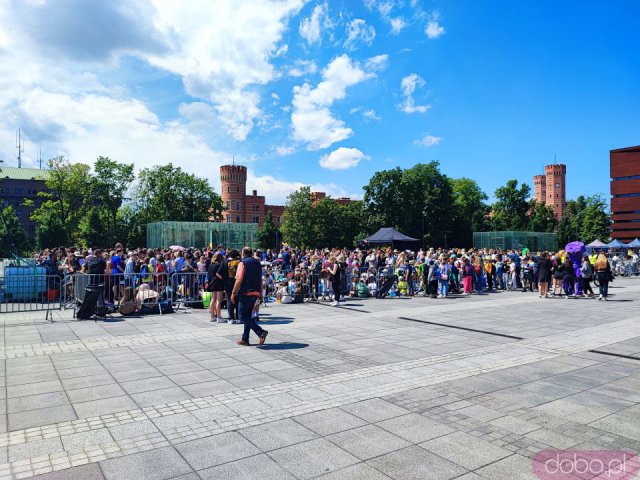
[[540, 188], [233, 179], [555, 188]]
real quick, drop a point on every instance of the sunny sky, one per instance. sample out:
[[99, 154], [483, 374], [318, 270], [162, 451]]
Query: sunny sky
[[324, 92]]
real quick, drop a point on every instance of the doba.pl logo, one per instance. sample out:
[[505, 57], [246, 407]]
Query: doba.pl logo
[[586, 464]]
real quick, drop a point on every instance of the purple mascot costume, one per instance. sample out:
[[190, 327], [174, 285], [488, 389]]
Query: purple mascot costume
[[575, 251]]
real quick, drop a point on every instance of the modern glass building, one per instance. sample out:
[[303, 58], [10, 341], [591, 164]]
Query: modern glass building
[[201, 234], [508, 240]]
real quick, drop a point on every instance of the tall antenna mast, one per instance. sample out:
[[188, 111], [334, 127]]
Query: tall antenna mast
[[40, 158], [20, 147], [233, 159]]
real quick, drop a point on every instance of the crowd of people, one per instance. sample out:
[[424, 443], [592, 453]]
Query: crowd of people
[[133, 278]]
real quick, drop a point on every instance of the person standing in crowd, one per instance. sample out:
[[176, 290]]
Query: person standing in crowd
[[216, 287], [286, 260], [95, 267], [490, 270], [443, 280], [603, 271], [527, 275], [558, 274], [544, 274], [228, 271], [246, 292], [467, 277], [586, 270], [478, 274], [335, 275], [569, 279]]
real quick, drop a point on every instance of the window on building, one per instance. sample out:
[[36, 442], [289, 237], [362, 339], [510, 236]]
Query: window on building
[[256, 208], [229, 189], [557, 185], [228, 218], [19, 214], [237, 205], [237, 218], [238, 189], [256, 219], [228, 205], [19, 190]]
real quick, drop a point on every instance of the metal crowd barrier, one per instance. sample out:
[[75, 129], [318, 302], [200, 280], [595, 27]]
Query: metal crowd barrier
[[22, 290]]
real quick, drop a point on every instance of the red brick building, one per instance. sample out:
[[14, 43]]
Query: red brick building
[[550, 188], [625, 193], [242, 208]]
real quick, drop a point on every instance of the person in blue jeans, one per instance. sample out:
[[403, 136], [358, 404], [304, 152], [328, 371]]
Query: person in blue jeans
[[246, 291], [443, 281]]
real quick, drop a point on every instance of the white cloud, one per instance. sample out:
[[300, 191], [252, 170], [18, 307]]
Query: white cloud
[[433, 28], [312, 121], [301, 68], [377, 63], [384, 8], [397, 24], [311, 27], [284, 150], [221, 50], [276, 190], [358, 32], [124, 129], [370, 115], [409, 84], [342, 158], [428, 140]]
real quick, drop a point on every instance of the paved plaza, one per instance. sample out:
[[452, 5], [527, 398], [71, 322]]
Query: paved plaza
[[466, 388]]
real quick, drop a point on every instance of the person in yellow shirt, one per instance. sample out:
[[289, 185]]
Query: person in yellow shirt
[[593, 257]]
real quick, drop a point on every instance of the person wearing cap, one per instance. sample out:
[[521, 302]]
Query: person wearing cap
[[246, 291]]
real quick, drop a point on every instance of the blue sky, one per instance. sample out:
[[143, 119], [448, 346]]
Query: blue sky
[[325, 93]]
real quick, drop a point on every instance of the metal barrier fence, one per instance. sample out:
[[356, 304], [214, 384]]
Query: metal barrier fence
[[29, 292], [28, 289]]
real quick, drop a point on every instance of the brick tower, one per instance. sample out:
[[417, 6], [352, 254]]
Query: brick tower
[[233, 179], [540, 188], [555, 188]]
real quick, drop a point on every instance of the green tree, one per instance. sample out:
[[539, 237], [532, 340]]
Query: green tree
[[595, 222], [298, 221], [268, 234], [168, 193], [112, 180], [13, 237], [354, 220], [69, 186], [93, 229], [383, 199], [470, 210], [328, 224], [510, 211], [585, 218], [417, 201], [541, 217]]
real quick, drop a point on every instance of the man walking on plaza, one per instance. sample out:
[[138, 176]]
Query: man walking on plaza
[[246, 291]]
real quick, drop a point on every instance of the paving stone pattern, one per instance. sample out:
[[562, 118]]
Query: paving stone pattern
[[351, 392]]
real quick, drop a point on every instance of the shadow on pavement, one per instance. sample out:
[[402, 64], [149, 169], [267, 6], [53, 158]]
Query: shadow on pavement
[[283, 346], [276, 321]]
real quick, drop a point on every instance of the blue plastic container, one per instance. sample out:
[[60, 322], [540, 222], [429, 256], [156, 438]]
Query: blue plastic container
[[25, 283]]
